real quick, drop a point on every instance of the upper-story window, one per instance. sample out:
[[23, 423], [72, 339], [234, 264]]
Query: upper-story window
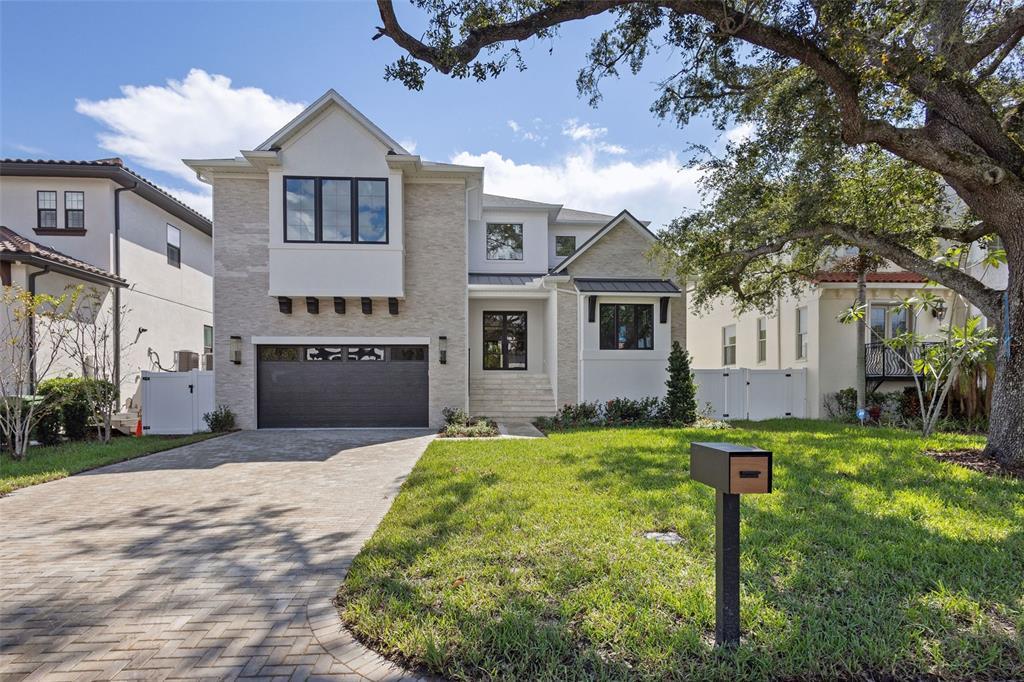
[[46, 210], [504, 241], [627, 326], [565, 245], [801, 333], [762, 339], [729, 345], [336, 210], [173, 246], [74, 210]]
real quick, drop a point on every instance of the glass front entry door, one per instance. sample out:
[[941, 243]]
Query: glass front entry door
[[504, 340]]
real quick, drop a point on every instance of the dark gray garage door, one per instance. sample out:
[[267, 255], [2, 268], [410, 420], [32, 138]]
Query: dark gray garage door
[[330, 386]]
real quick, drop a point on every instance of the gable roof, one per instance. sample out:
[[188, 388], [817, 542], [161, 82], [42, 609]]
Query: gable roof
[[557, 212], [110, 169], [623, 217], [14, 247], [328, 99]]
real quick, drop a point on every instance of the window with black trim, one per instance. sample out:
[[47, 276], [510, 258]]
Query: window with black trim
[[46, 210], [504, 241], [565, 245], [173, 246], [336, 210], [627, 326], [74, 210]]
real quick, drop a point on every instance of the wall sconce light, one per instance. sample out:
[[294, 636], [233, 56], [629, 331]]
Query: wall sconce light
[[442, 346], [284, 304], [312, 305], [367, 304], [393, 306], [339, 305], [235, 350], [939, 311]]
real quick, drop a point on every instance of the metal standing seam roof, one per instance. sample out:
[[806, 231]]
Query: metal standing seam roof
[[502, 279], [628, 286], [15, 247]]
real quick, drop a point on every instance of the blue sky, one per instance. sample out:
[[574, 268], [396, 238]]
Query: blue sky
[[153, 82]]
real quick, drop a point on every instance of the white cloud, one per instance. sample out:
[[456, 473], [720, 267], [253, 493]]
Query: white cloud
[[656, 189], [611, 148], [29, 149], [513, 126], [740, 133], [410, 145], [155, 126], [200, 200], [577, 130]]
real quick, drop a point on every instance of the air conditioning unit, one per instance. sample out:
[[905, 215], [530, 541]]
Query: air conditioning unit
[[208, 361], [186, 360]]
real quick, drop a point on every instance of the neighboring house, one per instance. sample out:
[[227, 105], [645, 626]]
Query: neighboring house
[[100, 225], [804, 332], [359, 285]]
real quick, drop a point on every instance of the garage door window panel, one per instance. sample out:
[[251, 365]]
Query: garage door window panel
[[365, 354], [279, 353], [321, 353]]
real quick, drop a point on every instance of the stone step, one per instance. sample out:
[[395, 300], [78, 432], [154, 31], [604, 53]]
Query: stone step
[[530, 411], [523, 404]]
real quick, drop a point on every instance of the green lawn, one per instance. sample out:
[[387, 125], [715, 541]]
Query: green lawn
[[524, 559], [59, 461]]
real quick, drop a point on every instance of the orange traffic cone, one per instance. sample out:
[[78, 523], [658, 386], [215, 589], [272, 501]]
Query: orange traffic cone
[[138, 428]]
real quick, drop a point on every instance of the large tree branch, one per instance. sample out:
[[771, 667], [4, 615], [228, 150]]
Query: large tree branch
[[999, 33], [1000, 56], [987, 300]]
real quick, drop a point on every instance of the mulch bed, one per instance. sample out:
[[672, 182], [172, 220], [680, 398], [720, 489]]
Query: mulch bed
[[973, 459]]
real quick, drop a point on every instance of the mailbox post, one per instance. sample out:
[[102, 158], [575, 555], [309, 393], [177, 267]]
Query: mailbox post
[[731, 470]]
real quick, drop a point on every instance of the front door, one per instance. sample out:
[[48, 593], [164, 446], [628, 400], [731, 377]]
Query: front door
[[504, 340]]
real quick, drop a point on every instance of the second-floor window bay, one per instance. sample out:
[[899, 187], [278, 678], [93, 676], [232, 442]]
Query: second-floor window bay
[[336, 210], [504, 241]]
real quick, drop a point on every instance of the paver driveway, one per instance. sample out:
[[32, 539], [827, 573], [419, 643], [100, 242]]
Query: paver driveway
[[195, 562]]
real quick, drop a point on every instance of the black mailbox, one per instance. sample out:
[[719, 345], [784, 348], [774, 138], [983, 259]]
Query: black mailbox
[[731, 468]]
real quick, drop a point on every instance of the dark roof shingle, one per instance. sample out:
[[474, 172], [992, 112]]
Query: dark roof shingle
[[627, 286]]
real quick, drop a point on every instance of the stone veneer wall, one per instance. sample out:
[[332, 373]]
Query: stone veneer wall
[[568, 345], [434, 304]]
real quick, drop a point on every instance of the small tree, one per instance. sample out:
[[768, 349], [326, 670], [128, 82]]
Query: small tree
[[682, 394], [934, 368], [32, 334], [93, 344]]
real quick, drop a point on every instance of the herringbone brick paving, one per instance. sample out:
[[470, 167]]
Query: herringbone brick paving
[[217, 560]]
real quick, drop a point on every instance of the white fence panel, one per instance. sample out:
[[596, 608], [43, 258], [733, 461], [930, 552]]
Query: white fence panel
[[752, 393], [175, 402]]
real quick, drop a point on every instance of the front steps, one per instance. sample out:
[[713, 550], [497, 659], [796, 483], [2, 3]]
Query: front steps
[[511, 396]]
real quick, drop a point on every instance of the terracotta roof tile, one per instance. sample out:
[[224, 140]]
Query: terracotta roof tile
[[896, 277], [13, 243]]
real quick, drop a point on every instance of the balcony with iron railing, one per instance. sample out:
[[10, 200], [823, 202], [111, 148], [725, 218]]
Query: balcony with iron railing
[[883, 363]]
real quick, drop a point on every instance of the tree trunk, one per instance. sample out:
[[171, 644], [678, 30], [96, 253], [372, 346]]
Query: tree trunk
[[1006, 418]]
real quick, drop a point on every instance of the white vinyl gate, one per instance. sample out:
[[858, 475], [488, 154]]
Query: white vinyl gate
[[175, 402], [752, 393]]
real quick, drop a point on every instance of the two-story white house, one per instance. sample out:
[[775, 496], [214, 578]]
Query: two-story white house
[[356, 284], [100, 225]]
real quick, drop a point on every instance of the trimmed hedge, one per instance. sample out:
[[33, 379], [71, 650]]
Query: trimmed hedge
[[69, 407]]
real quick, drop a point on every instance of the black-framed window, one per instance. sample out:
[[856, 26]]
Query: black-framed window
[[336, 210], [504, 336], [173, 246], [627, 326], [46, 210], [207, 338], [504, 241], [74, 210], [565, 245]]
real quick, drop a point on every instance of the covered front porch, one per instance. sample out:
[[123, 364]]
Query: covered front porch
[[512, 347]]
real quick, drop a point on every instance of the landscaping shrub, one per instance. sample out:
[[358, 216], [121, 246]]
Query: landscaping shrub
[[681, 398], [220, 420], [70, 402], [455, 416], [842, 405], [626, 412], [477, 428]]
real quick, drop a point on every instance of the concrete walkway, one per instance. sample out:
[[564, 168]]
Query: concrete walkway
[[217, 560]]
